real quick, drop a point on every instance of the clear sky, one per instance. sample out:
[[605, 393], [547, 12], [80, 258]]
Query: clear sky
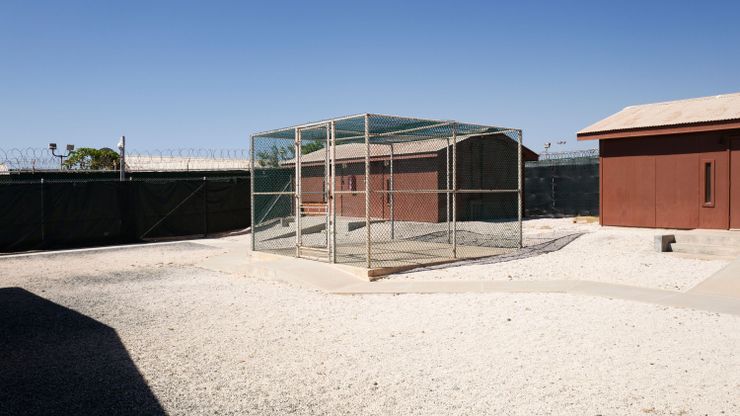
[[208, 73]]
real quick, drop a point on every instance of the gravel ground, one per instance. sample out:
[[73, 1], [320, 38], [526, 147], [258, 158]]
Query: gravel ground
[[604, 254], [210, 343]]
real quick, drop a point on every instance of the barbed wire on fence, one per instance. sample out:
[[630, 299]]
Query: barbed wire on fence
[[185, 159], [571, 154], [574, 157]]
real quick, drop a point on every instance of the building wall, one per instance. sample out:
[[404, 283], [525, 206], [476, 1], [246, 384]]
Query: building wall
[[410, 174], [482, 163], [659, 181]]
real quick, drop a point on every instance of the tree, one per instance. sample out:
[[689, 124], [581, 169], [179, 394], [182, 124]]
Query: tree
[[88, 158], [311, 147], [271, 158]]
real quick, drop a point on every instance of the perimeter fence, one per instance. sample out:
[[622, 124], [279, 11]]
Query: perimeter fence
[[562, 184], [56, 210]]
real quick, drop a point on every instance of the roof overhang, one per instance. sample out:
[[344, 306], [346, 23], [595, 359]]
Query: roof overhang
[[661, 130]]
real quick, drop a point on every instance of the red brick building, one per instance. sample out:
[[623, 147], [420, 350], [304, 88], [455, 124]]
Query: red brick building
[[671, 165]]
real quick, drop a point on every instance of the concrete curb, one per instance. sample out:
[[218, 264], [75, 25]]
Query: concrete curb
[[333, 280]]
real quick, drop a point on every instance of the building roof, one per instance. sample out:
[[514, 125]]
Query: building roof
[[718, 110], [349, 151]]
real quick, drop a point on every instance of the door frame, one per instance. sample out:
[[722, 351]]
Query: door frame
[[732, 140], [303, 250]]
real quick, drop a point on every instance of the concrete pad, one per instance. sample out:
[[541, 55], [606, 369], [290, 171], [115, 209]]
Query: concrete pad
[[725, 282], [717, 295], [625, 292]]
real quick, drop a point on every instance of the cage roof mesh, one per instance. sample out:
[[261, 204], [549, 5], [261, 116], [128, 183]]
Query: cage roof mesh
[[382, 129]]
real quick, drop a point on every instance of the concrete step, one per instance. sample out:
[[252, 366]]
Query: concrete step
[[709, 249], [720, 238], [316, 253]]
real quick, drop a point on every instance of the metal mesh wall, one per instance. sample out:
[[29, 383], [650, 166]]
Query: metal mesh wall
[[385, 191]]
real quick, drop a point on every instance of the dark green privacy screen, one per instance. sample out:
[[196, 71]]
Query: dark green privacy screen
[[563, 188], [45, 215]]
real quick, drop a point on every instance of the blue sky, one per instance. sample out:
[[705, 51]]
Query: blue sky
[[207, 74]]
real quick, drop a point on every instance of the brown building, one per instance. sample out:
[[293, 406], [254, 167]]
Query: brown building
[[483, 162], [671, 165]]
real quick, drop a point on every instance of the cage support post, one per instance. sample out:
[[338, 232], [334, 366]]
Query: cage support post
[[367, 190], [447, 188], [520, 194], [392, 197], [297, 192], [251, 191], [326, 190], [454, 190], [333, 204]]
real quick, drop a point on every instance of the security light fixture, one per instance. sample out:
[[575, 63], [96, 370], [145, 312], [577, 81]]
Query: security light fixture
[[70, 149]]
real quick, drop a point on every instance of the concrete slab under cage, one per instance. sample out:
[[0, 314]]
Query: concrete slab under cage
[[391, 256]]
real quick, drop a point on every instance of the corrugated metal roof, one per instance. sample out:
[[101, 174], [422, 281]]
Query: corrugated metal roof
[[357, 150], [671, 113]]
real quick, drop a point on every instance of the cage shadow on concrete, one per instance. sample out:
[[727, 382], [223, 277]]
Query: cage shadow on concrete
[[387, 192]]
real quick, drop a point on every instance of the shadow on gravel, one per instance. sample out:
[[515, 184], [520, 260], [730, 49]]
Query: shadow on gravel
[[549, 246], [56, 361]]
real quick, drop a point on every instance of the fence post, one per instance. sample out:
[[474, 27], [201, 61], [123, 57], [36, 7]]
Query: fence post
[[251, 192], [520, 189], [43, 214], [454, 190], [205, 207], [367, 192]]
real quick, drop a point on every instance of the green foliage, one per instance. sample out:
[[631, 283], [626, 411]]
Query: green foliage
[[311, 147], [271, 158], [88, 158]]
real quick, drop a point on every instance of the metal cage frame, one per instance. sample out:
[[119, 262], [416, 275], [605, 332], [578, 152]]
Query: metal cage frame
[[370, 130]]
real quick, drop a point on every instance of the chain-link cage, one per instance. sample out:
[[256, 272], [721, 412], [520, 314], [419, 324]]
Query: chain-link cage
[[380, 191]]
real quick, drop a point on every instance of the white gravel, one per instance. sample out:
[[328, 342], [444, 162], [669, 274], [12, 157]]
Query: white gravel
[[603, 254], [210, 343]]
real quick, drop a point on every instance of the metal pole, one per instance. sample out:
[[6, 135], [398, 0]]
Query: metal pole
[[327, 202], [251, 191], [447, 193], [122, 148], [205, 207], [367, 189], [454, 190], [392, 197], [43, 214], [333, 166], [520, 194], [297, 192]]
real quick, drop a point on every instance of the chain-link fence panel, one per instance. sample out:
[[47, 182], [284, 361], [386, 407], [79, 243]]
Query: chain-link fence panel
[[405, 191]]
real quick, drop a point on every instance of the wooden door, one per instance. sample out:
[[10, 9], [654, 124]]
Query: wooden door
[[735, 183]]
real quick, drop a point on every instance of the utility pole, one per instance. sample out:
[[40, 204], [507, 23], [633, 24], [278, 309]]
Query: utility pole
[[122, 158]]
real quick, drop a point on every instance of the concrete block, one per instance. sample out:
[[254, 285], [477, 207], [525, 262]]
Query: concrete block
[[663, 242], [286, 221]]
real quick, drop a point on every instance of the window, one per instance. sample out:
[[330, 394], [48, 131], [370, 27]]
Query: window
[[708, 183]]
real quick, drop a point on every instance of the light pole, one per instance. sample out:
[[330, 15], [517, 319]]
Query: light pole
[[122, 157], [70, 150]]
